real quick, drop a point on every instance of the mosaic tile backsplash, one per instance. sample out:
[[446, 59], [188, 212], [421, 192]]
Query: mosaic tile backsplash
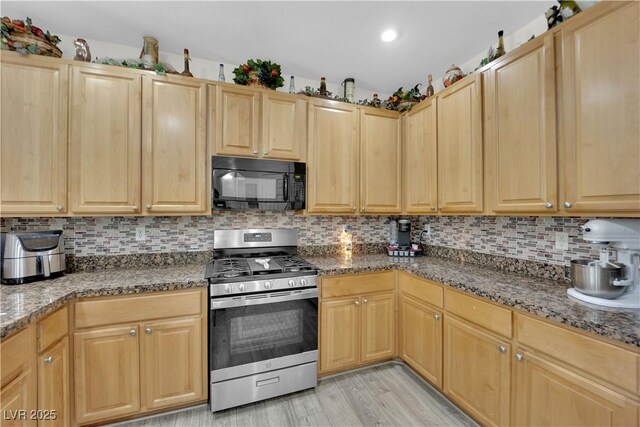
[[527, 238]]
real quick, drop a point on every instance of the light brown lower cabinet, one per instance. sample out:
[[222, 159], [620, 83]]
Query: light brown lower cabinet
[[53, 385], [356, 331], [107, 376], [547, 394], [133, 361], [477, 373], [420, 338]]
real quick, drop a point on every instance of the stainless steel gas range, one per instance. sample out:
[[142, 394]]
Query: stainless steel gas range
[[263, 319]]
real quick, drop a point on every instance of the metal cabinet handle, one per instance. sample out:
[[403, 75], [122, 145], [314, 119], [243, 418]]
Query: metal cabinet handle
[[59, 208], [548, 205], [361, 209], [567, 205], [365, 300], [265, 152], [519, 357], [356, 302], [433, 208], [148, 331], [48, 359], [255, 151], [502, 349], [132, 332], [353, 208], [134, 207], [436, 316], [149, 207]]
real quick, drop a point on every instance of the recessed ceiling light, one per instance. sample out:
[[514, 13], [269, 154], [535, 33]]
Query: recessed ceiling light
[[388, 36]]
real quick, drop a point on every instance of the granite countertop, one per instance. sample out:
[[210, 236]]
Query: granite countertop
[[21, 304], [543, 297], [546, 298]]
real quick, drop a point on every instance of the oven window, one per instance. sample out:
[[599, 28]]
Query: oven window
[[251, 186], [249, 334]]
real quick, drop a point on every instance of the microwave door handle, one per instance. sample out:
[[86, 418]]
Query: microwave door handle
[[286, 187]]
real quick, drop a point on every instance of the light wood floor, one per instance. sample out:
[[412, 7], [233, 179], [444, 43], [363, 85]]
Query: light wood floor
[[384, 395]]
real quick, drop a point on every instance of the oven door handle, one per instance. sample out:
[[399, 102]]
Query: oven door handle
[[243, 300]]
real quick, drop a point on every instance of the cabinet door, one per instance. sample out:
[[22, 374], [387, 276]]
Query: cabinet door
[[380, 154], [234, 119], [105, 144], [460, 147], [18, 398], [53, 384], [520, 117], [176, 176], [378, 327], [420, 159], [332, 167], [420, 339], [601, 112], [171, 361], [106, 369], [284, 127], [476, 372], [339, 334], [33, 136], [546, 394]]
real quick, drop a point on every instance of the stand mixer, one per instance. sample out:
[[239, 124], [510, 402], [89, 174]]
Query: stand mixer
[[602, 282]]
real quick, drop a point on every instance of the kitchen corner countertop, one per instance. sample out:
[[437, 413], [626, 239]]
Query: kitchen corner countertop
[[543, 297], [22, 304]]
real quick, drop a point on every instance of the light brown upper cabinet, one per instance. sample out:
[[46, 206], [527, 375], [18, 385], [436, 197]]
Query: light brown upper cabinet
[[234, 120], [175, 168], [249, 122], [105, 143], [33, 144], [420, 154], [460, 147], [284, 126], [520, 130], [600, 110], [380, 148], [332, 169]]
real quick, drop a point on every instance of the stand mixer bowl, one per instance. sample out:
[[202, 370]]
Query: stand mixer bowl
[[589, 277]]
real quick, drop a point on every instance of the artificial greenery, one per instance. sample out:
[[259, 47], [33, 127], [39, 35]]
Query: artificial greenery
[[403, 101], [269, 73], [10, 27]]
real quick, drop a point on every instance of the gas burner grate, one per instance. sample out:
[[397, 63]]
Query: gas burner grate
[[294, 264], [230, 267]]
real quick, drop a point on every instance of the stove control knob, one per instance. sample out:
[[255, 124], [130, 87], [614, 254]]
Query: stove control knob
[[267, 285], [303, 282], [228, 289], [292, 283], [241, 287]]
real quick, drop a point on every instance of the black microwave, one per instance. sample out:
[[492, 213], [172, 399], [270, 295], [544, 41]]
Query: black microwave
[[272, 185]]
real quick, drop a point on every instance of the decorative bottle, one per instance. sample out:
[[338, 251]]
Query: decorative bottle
[[500, 49], [292, 85], [323, 87], [221, 73], [186, 71], [430, 87], [347, 241]]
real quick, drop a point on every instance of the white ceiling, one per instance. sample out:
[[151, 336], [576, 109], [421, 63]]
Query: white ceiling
[[311, 39]]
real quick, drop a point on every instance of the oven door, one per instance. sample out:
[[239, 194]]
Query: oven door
[[257, 333], [243, 189]]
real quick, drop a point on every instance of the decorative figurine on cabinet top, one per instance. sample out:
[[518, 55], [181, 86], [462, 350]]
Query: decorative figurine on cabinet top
[[82, 50], [453, 74]]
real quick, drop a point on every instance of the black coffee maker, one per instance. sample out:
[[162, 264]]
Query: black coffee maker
[[404, 233]]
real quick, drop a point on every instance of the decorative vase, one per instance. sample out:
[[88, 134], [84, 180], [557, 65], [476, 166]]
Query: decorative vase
[[149, 53], [453, 74], [82, 51]]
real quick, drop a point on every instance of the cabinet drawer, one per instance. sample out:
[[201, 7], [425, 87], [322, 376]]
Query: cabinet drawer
[[489, 316], [605, 361], [422, 289], [52, 328], [340, 286], [16, 354], [135, 308]]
